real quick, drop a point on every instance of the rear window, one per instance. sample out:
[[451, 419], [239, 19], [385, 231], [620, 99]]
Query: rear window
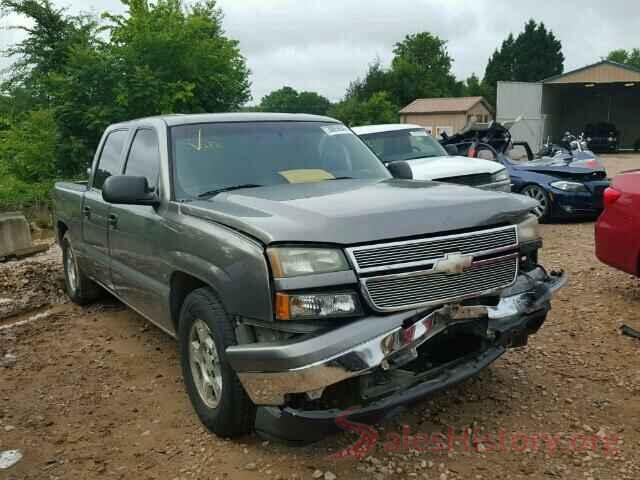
[[144, 157], [110, 161]]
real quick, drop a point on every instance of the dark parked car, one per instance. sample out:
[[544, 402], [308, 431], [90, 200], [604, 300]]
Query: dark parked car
[[602, 137], [566, 186], [295, 272]]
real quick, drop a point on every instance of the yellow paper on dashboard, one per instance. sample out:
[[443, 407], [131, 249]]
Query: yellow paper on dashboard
[[306, 175]]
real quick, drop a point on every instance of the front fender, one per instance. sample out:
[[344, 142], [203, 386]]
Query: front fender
[[232, 264]]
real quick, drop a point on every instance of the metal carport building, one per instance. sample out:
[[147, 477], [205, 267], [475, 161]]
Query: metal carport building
[[603, 92]]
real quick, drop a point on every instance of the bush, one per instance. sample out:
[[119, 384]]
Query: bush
[[16, 194], [28, 149]]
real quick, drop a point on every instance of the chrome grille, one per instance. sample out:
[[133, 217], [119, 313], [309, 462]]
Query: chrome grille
[[415, 253], [394, 292]]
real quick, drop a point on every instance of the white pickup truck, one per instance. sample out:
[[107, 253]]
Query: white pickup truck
[[410, 152]]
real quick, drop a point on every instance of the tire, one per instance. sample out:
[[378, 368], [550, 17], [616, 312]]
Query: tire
[[80, 288], [543, 212], [213, 387]]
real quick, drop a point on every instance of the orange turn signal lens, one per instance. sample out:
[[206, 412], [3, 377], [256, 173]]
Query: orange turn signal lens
[[282, 306], [274, 260]]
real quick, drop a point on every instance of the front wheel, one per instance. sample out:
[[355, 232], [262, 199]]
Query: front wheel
[[213, 387], [542, 211]]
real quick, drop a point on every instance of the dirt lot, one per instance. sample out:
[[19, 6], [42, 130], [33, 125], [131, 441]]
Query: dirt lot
[[97, 393]]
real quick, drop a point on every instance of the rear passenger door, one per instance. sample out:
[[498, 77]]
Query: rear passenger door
[[94, 252], [134, 234]]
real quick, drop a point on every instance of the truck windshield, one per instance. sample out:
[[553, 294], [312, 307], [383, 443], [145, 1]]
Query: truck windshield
[[404, 145], [213, 157]]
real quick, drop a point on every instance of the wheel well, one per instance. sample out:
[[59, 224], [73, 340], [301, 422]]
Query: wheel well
[[182, 284], [62, 229], [531, 184]]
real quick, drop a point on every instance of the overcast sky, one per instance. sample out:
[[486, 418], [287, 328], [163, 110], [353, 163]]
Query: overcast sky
[[323, 45]]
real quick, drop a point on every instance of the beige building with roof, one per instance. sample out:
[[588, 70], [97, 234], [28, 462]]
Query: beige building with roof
[[448, 115]]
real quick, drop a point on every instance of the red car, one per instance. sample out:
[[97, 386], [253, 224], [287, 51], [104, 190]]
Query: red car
[[618, 228]]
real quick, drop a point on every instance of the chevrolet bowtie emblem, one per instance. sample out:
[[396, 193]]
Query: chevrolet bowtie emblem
[[453, 263]]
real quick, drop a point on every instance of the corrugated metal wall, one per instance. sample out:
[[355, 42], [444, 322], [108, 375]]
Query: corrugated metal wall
[[518, 99]]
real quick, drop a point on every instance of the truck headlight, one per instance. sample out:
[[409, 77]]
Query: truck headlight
[[315, 305], [298, 261], [529, 230], [569, 186], [500, 176]]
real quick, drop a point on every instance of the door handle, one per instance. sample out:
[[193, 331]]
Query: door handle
[[112, 220], [86, 211]]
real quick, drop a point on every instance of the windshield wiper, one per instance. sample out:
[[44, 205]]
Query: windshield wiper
[[213, 193], [340, 178]]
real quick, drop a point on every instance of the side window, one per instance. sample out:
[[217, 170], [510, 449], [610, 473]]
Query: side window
[[109, 162], [144, 157]]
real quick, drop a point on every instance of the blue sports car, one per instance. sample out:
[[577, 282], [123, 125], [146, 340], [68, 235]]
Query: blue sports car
[[567, 186], [562, 191]]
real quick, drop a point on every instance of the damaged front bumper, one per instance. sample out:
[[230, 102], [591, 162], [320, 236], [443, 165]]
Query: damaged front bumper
[[272, 373]]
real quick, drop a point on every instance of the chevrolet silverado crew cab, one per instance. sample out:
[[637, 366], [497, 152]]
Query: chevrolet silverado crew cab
[[410, 152], [295, 272]]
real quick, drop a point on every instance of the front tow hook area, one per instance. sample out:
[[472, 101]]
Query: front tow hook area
[[520, 312]]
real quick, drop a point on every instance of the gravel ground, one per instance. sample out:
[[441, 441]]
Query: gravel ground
[[97, 393]]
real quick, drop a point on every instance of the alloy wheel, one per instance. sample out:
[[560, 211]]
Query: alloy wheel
[[205, 364], [538, 194]]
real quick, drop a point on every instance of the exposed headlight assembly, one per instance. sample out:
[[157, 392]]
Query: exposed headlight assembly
[[315, 305], [289, 262], [569, 186], [529, 230], [500, 176]]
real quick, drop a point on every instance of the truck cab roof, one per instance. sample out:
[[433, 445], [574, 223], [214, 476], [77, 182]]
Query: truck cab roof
[[172, 120]]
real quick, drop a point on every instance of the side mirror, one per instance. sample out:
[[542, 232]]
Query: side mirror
[[452, 150], [126, 190], [400, 170]]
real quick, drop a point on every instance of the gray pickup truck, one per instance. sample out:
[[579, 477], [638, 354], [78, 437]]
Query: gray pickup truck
[[294, 271]]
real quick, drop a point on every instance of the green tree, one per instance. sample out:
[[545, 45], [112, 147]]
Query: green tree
[[377, 109], [74, 74], [500, 67], [377, 79], [28, 149], [473, 87], [534, 55], [173, 58], [537, 54], [626, 57], [421, 67], [288, 100], [47, 46], [28, 159]]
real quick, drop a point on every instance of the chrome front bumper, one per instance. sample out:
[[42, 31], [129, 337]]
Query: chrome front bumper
[[263, 371]]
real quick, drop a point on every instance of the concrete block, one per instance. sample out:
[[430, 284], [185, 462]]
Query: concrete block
[[15, 234]]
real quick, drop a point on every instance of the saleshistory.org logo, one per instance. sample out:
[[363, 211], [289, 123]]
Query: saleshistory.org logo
[[469, 440]]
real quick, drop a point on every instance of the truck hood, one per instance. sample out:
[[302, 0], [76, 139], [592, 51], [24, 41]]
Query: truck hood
[[347, 212], [433, 168]]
